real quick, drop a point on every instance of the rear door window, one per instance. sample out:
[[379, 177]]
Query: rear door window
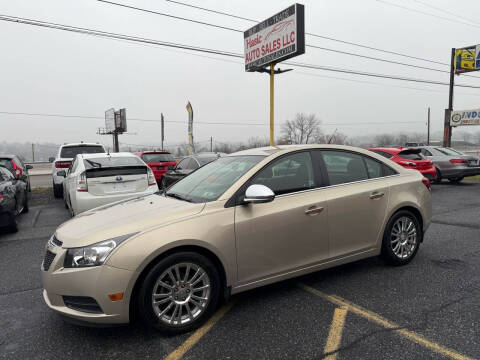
[[72, 151], [425, 152], [344, 167]]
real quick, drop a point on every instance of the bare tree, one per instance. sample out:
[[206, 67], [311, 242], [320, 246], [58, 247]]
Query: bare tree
[[384, 140], [303, 129]]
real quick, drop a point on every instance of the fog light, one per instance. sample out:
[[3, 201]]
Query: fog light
[[116, 296]]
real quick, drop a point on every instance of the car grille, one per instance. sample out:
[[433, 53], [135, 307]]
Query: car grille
[[82, 303], [47, 261], [56, 242]]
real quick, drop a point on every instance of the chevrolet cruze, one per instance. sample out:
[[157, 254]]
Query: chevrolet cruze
[[245, 220]]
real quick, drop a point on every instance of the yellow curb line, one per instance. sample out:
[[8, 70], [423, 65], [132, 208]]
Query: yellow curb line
[[335, 335]]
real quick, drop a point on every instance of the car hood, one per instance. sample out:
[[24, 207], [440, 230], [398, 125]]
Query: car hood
[[125, 217]]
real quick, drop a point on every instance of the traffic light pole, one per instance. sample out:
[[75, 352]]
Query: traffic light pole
[[447, 129]]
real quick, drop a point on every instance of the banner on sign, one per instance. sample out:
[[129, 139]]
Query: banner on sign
[[465, 117]]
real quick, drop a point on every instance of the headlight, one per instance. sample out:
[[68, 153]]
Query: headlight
[[93, 255]]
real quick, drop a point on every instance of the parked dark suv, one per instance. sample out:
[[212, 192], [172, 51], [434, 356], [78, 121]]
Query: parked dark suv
[[16, 167]]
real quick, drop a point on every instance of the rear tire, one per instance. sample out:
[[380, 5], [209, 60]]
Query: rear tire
[[401, 239], [58, 191], [184, 305], [438, 177], [456, 180]]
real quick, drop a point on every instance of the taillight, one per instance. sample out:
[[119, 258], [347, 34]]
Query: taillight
[[1, 197], [426, 182], [62, 164], [18, 171], [151, 178], [82, 185], [408, 163], [458, 161]]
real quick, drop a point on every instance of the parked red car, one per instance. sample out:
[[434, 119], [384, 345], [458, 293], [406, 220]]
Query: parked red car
[[409, 159], [159, 161]]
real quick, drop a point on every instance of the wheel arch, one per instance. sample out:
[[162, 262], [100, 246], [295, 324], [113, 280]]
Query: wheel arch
[[414, 210], [181, 248]]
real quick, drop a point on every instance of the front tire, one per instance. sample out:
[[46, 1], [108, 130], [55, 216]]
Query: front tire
[[179, 293], [438, 177], [401, 239]]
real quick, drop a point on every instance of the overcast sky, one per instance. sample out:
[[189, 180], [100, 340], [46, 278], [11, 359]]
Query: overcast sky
[[57, 72]]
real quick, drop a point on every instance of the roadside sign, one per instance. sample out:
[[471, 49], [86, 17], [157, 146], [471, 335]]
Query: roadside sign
[[275, 39], [467, 59], [122, 120], [465, 117], [110, 120]]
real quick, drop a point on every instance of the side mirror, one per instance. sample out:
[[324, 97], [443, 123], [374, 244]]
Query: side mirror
[[62, 173], [257, 194], [51, 159], [29, 167]]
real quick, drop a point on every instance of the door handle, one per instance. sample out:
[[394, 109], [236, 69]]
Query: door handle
[[314, 210], [376, 195]]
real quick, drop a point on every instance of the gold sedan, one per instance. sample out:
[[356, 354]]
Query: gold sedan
[[245, 220]]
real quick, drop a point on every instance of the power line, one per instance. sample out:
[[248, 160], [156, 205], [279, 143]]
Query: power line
[[315, 35], [427, 13], [445, 11], [241, 31], [185, 122], [104, 34]]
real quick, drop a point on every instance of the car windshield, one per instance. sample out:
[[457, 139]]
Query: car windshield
[[72, 151], [447, 151], [212, 180], [111, 161], [157, 157]]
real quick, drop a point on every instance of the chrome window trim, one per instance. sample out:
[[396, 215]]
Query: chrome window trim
[[336, 185]]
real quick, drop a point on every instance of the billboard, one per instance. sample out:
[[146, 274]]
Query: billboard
[[110, 120], [275, 39], [467, 59], [191, 145], [121, 120], [465, 117]]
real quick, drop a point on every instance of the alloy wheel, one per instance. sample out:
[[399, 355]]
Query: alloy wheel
[[181, 294], [403, 237]]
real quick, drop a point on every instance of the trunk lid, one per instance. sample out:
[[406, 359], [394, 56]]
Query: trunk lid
[[117, 180]]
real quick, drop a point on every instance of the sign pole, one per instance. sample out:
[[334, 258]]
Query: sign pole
[[447, 129], [272, 76]]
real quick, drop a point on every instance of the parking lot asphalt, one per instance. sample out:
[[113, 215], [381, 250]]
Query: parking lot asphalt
[[429, 309]]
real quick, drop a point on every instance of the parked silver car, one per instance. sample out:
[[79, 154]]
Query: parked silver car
[[451, 164]]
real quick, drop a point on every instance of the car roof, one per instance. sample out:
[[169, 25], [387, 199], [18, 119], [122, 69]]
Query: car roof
[[270, 150], [154, 152], [7, 156], [81, 144], [388, 150], [99, 155]]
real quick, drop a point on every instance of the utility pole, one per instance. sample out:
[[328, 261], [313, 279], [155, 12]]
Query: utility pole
[[33, 154], [211, 144], [163, 128], [272, 75], [428, 127], [447, 129]]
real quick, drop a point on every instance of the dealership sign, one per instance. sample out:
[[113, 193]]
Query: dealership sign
[[275, 39], [465, 117]]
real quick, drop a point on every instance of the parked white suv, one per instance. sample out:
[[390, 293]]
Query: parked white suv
[[94, 180], [64, 158]]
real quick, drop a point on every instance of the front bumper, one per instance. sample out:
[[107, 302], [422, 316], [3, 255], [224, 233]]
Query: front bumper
[[96, 282]]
